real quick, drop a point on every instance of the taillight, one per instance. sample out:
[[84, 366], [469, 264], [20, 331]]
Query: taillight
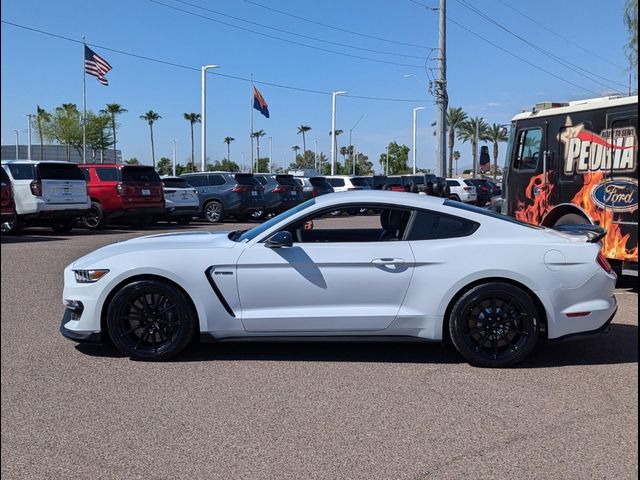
[[239, 189], [466, 189], [36, 188], [604, 263], [279, 189], [314, 192]]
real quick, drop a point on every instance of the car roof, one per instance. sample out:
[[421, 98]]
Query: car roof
[[36, 162], [399, 198]]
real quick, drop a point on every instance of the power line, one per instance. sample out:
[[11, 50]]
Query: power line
[[420, 57], [565, 63], [508, 52], [284, 39], [333, 27], [559, 35], [197, 69]]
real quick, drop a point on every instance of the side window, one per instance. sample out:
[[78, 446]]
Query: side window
[[528, 149], [215, 180], [85, 172], [197, 180], [21, 172], [435, 226], [452, 183], [336, 182], [107, 174]]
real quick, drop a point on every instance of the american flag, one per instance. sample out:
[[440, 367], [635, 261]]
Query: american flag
[[95, 65]]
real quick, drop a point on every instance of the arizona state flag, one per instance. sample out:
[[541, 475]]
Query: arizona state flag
[[259, 103]]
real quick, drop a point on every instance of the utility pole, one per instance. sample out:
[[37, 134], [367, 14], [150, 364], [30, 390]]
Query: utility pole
[[316, 162], [173, 158], [386, 167], [415, 114], [333, 130], [29, 116], [441, 93], [17, 144], [271, 154]]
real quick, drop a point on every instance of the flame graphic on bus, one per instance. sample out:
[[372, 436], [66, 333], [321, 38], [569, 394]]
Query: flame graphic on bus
[[539, 193]]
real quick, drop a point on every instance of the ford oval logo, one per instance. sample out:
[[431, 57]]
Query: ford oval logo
[[619, 195]]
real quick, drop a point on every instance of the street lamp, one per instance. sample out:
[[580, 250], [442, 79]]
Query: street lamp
[[333, 130], [173, 157], [415, 114], [351, 145], [203, 112], [17, 143], [29, 116]]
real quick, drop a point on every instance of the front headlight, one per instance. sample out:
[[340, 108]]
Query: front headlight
[[89, 276]]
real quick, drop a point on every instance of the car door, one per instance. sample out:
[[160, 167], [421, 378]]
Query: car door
[[323, 287]]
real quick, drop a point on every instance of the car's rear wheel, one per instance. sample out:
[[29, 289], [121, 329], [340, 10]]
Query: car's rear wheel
[[213, 211], [494, 325], [454, 197], [94, 218], [63, 226], [13, 226], [151, 320]]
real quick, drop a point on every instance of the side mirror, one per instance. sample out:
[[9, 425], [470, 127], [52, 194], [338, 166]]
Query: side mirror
[[279, 240]]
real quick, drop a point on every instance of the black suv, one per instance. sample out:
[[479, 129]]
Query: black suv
[[281, 192], [224, 194]]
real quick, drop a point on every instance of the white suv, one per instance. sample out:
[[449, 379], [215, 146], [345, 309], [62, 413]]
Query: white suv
[[46, 193], [462, 190], [346, 183]]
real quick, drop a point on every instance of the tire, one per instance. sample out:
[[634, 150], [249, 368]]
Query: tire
[[571, 219], [213, 211], [13, 226], [494, 341], [63, 227], [94, 218], [454, 197], [151, 320], [259, 215], [183, 220]]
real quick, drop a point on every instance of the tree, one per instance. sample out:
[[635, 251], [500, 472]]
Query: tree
[[98, 137], [398, 158], [496, 133], [225, 165], [305, 161], [631, 21], [112, 110], [132, 161], [456, 157], [338, 132], [165, 166], [42, 126], [263, 164], [151, 117], [455, 119], [303, 129], [258, 135], [295, 149], [467, 133], [228, 141], [66, 128], [363, 165], [192, 118]]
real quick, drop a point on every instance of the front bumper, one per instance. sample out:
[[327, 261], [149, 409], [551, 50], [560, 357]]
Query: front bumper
[[77, 335]]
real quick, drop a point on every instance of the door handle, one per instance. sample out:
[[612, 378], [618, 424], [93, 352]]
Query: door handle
[[387, 261]]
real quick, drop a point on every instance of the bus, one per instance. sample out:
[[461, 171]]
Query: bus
[[577, 162]]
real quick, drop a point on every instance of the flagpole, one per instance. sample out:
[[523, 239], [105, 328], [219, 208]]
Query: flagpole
[[84, 105], [251, 122]]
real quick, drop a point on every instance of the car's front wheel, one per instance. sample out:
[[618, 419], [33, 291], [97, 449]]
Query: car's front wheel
[[151, 320], [494, 325]]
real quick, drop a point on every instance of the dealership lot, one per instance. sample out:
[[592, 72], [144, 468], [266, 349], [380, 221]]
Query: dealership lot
[[406, 411]]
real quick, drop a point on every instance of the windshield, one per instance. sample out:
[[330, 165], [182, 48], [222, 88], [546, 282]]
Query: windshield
[[249, 235]]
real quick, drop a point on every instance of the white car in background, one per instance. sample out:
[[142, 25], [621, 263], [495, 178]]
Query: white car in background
[[180, 200], [462, 190], [347, 183], [46, 193], [411, 270]]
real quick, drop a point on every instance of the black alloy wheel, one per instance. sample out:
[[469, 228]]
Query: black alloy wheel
[[94, 218], [494, 325], [151, 320]]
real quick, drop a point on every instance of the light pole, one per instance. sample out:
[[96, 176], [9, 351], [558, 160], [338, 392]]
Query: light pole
[[351, 145], [316, 162], [173, 157], [386, 167], [271, 154], [203, 113], [17, 143], [415, 115], [477, 140], [333, 130], [29, 115]]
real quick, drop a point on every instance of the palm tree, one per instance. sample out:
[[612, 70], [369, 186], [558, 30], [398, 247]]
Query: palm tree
[[258, 135], [114, 109], [43, 118], [455, 118], [496, 133], [295, 149], [303, 129], [467, 133], [192, 118], [228, 141], [456, 157], [150, 117]]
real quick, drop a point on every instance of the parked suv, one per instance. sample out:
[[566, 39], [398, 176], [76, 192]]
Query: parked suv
[[46, 193], [8, 206], [314, 186], [224, 194], [181, 201], [346, 183], [128, 192], [281, 192], [462, 190]]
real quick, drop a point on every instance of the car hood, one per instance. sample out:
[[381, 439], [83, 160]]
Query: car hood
[[163, 241]]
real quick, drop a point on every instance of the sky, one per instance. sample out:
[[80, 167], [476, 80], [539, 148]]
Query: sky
[[502, 58]]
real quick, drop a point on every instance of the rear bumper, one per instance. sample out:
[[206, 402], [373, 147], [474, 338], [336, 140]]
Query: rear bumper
[[604, 328], [55, 214], [181, 211], [241, 208], [135, 212]]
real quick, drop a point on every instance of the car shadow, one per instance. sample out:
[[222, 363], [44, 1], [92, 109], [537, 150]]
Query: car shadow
[[619, 346]]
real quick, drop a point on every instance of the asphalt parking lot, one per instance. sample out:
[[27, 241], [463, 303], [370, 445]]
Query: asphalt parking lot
[[290, 411]]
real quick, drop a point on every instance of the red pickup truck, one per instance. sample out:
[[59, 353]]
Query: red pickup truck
[[129, 192]]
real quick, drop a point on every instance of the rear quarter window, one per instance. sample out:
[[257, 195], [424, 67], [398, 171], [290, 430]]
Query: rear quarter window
[[140, 174], [453, 183], [197, 180], [21, 172], [359, 182], [215, 180], [336, 182], [246, 179], [436, 226], [108, 174]]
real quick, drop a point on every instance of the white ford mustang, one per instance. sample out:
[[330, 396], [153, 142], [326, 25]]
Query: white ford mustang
[[401, 265]]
